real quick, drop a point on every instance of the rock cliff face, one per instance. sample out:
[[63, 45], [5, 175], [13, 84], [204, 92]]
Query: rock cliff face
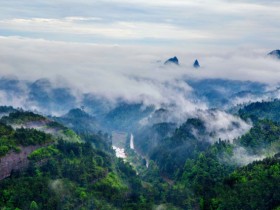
[[14, 161]]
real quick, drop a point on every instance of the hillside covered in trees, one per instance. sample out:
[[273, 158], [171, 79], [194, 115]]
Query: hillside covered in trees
[[172, 167]]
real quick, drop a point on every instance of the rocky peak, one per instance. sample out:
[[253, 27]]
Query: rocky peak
[[173, 60], [196, 64], [275, 54]]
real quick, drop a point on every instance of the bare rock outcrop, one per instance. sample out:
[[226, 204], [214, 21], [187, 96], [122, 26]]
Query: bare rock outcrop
[[15, 161]]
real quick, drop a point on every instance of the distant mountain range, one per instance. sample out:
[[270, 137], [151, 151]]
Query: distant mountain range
[[223, 156], [175, 60]]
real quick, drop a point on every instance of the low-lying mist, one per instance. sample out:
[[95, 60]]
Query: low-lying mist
[[134, 74], [98, 78]]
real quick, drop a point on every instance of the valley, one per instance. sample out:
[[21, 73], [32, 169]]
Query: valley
[[136, 155], [139, 105]]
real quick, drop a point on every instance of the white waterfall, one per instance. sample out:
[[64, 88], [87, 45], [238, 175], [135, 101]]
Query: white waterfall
[[147, 163], [131, 141]]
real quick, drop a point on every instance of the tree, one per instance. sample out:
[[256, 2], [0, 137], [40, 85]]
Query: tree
[[34, 206]]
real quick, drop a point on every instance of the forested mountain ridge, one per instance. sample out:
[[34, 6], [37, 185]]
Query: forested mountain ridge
[[64, 174], [262, 110], [200, 170], [173, 166]]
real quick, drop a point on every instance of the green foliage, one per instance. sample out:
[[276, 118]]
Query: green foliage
[[34, 206], [185, 171], [26, 137], [32, 120], [252, 187], [111, 186], [4, 150], [261, 136], [20, 117], [7, 144], [44, 153], [11, 139], [173, 152], [99, 141], [72, 176], [192, 174], [70, 135], [56, 125], [202, 175], [262, 110], [5, 130], [7, 140]]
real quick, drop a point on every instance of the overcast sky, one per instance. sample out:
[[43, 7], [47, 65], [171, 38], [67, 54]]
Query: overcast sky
[[195, 24]]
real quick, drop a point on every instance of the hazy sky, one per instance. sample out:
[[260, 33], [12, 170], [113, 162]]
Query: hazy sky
[[192, 24]]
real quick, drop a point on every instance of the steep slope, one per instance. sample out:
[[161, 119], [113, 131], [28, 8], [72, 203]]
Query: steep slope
[[27, 119], [72, 176], [65, 174], [20, 134]]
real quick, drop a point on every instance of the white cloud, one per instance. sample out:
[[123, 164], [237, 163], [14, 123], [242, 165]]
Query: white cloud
[[111, 68], [223, 125], [131, 72], [242, 157], [113, 30], [179, 22]]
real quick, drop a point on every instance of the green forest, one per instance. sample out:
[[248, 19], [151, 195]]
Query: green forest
[[184, 172]]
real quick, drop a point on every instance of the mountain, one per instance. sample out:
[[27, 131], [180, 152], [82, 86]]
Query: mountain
[[251, 187], [209, 158], [262, 110], [79, 120], [173, 60], [30, 120], [77, 113], [220, 93], [6, 110], [42, 171], [275, 54], [196, 64], [43, 94], [44, 97], [126, 117]]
